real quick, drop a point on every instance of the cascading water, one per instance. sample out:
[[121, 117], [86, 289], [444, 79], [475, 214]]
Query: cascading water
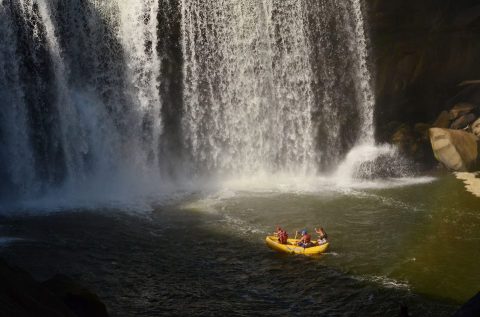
[[364, 89], [366, 160], [262, 77], [247, 105], [80, 81], [15, 155], [97, 95]]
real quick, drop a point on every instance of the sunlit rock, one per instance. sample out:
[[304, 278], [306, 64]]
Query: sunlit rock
[[471, 181], [457, 150], [476, 128]]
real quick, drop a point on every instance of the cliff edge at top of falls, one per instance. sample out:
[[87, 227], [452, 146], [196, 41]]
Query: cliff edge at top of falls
[[22, 296], [421, 51]]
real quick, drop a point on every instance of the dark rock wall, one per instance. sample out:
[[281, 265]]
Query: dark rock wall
[[421, 51]]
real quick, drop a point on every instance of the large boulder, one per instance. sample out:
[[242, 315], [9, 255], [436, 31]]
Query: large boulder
[[476, 128], [456, 149]]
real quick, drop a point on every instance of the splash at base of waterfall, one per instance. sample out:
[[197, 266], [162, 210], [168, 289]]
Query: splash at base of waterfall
[[365, 166]]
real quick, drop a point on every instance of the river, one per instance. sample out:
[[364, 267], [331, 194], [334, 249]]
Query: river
[[413, 242]]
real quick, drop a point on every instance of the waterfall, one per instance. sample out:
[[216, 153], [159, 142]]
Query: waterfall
[[247, 85], [15, 153], [138, 24], [115, 93], [267, 83], [81, 83], [366, 159], [363, 74]]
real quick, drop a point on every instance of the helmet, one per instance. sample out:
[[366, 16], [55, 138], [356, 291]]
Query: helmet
[[304, 232]]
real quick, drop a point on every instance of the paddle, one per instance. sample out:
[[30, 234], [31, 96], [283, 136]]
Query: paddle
[[296, 233]]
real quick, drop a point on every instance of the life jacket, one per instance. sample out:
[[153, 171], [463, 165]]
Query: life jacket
[[322, 235], [282, 237], [306, 238]]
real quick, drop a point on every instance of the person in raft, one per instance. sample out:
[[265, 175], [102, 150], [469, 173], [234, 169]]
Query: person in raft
[[282, 235], [322, 236], [305, 240]]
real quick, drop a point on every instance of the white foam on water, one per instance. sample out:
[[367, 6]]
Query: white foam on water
[[284, 183], [387, 201], [242, 226], [384, 281]]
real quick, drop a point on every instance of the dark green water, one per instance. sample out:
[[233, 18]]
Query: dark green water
[[205, 255]]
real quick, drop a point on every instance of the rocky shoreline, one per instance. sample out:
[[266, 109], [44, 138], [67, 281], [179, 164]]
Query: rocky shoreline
[[451, 139]]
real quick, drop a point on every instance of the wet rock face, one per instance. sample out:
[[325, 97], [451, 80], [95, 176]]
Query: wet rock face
[[460, 109], [463, 122], [421, 51]]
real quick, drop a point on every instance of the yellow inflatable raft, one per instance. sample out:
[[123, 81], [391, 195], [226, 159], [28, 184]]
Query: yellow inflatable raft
[[292, 247]]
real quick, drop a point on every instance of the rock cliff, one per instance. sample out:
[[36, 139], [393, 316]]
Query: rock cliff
[[421, 51]]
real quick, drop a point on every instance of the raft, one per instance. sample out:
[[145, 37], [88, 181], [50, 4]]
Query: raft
[[292, 247]]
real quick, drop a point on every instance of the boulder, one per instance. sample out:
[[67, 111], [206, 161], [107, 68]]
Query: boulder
[[456, 149], [460, 109], [385, 131], [79, 299], [443, 120], [403, 138], [463, 121], [23, 296], [470, 308], [476, 128], [421, 129]]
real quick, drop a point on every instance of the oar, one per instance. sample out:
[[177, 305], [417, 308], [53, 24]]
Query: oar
[[296, 233]]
